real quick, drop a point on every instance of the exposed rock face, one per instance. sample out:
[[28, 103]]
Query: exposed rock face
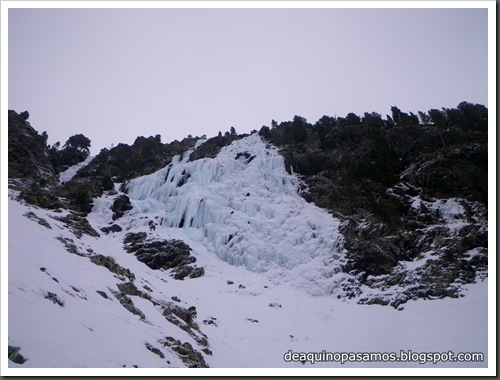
[[110, 264], [186, 352], [15, 356], [77, 224], [38, 195], [30, 169], [33, 169], [27, 154], [163, 254], [120, 205], [112, 228]]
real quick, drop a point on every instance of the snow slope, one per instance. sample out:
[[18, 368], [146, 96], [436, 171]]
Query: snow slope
[[271, 267]]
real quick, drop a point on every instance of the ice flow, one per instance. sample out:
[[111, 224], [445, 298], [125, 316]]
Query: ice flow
[[249, 211]]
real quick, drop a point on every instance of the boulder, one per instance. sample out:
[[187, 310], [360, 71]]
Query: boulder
[[120, 205]]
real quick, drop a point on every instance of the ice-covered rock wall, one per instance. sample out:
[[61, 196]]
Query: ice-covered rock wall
[[249, 211]]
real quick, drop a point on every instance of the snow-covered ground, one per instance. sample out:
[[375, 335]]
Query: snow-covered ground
[[68, 174], [269, 292]]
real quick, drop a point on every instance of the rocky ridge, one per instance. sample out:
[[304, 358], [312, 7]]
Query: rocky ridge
[[402, 191]]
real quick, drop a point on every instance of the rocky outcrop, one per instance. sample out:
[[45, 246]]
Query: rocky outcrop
[[78, 225], [112, 228], [27, 152], [15, 356], [30, 169], [120, 205], [128, 304], [400, 191], [172, 255], [110, 264], [186, 352]]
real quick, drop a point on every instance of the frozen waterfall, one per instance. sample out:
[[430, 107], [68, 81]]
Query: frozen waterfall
[[249, 211]]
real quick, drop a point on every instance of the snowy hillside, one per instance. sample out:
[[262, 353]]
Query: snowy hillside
[[269, 278]]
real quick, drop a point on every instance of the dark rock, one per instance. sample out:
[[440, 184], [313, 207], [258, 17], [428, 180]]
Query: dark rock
[[133, 241], [31, 160], [247, 157], [164, 254], [110, 264], [197, 272], [102, 294], [377, 301], [207, 351], [41, 221], [40, 196], [187, 315], [15, 356], [190, 356], [154, 350], [112, 228], [120, 205], [78, 225], [210, 321], [128, 304], [182, 272], [28, 155], [188, 271], [54, 298], [70, 246], [129, 288]]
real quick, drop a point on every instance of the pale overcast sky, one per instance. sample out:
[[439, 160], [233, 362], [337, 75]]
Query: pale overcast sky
[[115, 74]]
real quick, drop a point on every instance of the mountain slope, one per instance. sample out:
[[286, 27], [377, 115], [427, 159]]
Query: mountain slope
[[251, 322], [214, 258]]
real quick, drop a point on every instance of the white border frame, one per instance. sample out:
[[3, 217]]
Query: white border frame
[[490, 371]]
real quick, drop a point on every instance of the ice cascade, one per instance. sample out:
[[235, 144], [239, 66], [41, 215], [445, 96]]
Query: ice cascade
[[249, 211]]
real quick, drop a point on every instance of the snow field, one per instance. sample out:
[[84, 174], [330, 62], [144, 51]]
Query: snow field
[[90, 331]]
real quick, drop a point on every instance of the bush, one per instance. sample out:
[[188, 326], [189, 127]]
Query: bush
[[107, 183]]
